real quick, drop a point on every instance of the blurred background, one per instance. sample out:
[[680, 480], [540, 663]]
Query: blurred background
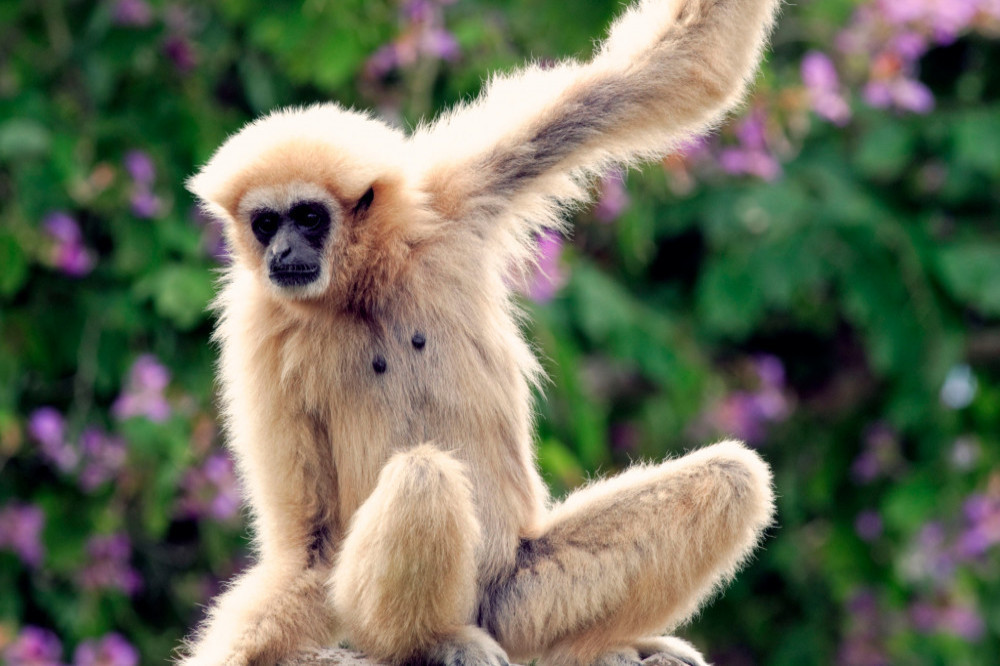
[[820, 277]]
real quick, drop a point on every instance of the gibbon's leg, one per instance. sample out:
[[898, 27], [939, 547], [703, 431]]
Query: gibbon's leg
[[270, 612], [405, 581], [631, 557]]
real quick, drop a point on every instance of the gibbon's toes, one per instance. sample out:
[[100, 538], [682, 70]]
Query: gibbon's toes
[[627, 657], [469, 647], [669, 651]]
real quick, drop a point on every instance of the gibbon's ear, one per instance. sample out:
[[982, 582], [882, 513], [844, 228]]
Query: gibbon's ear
[[364, 203]]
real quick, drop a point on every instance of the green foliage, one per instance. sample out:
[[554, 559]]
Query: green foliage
[[842, 312]]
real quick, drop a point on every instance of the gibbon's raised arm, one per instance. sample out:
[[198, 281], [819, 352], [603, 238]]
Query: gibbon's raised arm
[[668, 70]]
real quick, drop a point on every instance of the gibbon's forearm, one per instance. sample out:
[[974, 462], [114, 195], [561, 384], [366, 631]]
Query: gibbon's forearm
[[668, 70]]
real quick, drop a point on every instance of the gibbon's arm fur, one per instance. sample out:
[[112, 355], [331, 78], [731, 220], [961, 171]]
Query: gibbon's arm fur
[[377, 390], [670, 69]]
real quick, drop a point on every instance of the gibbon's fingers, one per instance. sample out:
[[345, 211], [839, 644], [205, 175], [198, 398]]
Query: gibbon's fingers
[[631, 556], [405, 580], [270, 613], [669, 69]]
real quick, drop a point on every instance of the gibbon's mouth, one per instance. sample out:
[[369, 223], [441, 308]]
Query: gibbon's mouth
[[294, 276]]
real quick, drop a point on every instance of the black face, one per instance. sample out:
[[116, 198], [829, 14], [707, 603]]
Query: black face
[[293, 240]]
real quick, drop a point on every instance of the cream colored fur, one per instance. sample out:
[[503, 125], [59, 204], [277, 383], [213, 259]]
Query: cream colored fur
[[403, 509]]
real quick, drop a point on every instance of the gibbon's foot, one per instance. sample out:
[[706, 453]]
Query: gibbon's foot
[[470, 646], [668, 651], [624, 657]]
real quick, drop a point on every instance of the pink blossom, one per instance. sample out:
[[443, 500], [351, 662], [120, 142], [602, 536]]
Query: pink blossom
[[48, 427], [140, 167], [880, 455], [180, 51], [752, 155], [111, 650], [108, 566], [34, 646], [143, 394], [103, 457], [746, 414], [145, 204], [21, 531], [868, 525], [423, 36], [135, 13], [548, 276], [211, 490], [949, 617], [821, 80], [68, 253], [613, 199]]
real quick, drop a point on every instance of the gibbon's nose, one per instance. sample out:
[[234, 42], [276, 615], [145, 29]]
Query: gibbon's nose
[[281, 246]]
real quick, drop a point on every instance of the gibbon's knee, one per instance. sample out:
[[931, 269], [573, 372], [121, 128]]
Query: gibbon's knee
[[406, 574], [631, 556]]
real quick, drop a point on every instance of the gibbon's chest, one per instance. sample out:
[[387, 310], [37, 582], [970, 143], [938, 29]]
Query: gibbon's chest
[[390, 383]]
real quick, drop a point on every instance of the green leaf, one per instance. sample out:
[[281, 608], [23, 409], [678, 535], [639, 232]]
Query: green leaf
[[886, 149], [13, 265], [971, 274], [180, 293], [977, 139], [22, 138]]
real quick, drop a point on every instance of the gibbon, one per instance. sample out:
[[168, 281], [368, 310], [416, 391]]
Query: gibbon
[[377, 390]]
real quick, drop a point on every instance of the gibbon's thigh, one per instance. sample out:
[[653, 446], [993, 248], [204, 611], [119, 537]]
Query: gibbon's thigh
[[631, 556], [406, 576]]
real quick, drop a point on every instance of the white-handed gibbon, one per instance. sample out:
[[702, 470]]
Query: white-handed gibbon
[[377, 389]]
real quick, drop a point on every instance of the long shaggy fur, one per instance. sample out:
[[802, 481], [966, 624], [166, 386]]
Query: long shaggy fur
[[392, 482]]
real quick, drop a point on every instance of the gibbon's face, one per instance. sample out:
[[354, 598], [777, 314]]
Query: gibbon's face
[[291, 227]]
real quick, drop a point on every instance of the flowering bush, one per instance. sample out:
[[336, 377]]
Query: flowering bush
[[820, 277]]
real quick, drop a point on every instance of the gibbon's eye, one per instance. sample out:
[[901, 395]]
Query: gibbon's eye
[[265, 224], [365, 202], [309, 215]]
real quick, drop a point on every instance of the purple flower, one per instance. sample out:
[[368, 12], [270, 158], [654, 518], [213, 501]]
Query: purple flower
[[34, 646], [211, 490], [981, 529], [746, 414], [48, 427], [68, 253], [880, 455], [821, 80], [132, 13], [868, 525], [103, 457], [111, 650], [140, 167], [439, 43], [752, 155], [865, 642], [108, 567], [143, 394], [181, 52], [548, 276], [950, 617], [21, 530], [383, 61], [930, 556], [145, 204], [423, 34], [613, 198]]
